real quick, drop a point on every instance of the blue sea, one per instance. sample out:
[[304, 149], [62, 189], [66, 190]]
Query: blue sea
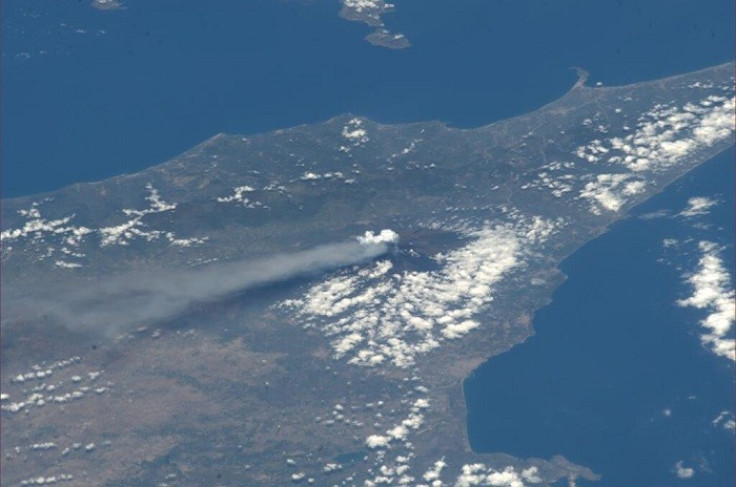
[[616, 378], [90, 94]]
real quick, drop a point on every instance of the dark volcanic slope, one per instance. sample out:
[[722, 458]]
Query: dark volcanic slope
[[213, 321]]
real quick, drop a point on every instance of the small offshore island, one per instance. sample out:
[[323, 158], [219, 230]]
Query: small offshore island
[[370, 12], [301, 307]]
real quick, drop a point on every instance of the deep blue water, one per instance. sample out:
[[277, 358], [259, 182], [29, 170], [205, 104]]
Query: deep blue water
[[168, 74], [613, 352], [610, 354]]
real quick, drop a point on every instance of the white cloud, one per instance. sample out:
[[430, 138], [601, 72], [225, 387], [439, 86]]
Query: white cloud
[[239, 196], [310, 176], [362, 5], [435, 471], [354, 132], [698, 205], [479, 474], [558, 185], [41, 480], [683, 472], [377, 441], [420, 403], [385, 236], [399, 432], [125, 232], [665, 135], [60, 235], [55, 235], [374, 318], [713, 292], [610, 191], [725, 419], [38, 227], [456, 330], [531, 475]]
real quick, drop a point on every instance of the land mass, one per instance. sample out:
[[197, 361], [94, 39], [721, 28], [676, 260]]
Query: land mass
[[214, 320]]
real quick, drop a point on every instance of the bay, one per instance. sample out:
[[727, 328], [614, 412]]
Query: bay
[[91, 94], [616, 378]]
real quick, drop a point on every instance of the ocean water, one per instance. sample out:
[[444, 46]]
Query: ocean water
[[615, 377], [87, 94]]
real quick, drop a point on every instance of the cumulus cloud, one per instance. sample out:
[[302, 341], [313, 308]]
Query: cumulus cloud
[[698, 205], [354, 132], [714, 293], [239, 196], [399, 433], [479, 474], [373, 318], [558, 185], [123, 233], [664, 136], [611, 191], [310, 176], [384, 237], [62, 236], [683, 472], [531, 475], [121, 302], [37, 227], [377, 441], [725, 419], [434, 472]]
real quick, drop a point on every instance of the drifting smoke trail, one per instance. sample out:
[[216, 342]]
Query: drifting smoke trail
[[124, 302]]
